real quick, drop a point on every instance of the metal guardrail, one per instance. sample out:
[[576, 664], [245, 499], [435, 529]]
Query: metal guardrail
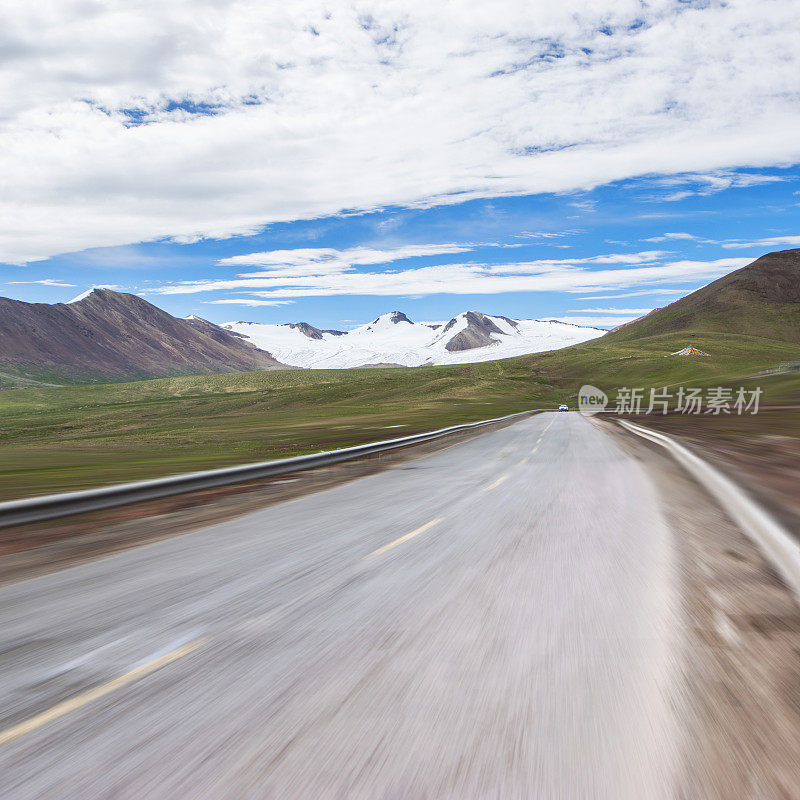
[[51, 506], [780, 548]]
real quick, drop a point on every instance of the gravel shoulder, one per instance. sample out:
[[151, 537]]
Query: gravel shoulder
[[761, 453], [742, 640]]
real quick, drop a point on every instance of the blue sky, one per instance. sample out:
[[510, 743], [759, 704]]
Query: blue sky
[[329, 163], [709, 233]]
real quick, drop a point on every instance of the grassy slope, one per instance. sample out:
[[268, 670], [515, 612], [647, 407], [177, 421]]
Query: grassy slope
[[71, 437], [14, 376], [611, 364]]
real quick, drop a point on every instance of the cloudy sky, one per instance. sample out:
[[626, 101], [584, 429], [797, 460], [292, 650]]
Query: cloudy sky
[[586, 160]]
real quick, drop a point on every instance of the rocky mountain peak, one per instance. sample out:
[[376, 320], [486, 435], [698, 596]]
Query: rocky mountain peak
[[393, 318]]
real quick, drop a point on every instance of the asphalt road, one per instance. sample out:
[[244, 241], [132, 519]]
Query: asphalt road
[[496, 620]]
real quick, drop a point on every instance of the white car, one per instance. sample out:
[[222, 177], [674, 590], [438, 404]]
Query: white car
[[563, 407]]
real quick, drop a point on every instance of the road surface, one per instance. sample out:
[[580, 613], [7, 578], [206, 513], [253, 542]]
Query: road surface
[[496, 620]]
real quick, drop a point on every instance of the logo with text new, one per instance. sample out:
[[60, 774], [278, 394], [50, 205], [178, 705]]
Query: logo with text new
[[591, 400]]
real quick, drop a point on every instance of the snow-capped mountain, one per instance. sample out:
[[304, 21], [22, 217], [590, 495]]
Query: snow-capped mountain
[[393, 339]]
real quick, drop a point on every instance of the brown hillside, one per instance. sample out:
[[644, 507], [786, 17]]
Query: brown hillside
[[117, 335]]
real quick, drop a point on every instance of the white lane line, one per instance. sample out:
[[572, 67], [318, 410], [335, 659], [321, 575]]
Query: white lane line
[[539, 440], [74, 703], [417, 532]]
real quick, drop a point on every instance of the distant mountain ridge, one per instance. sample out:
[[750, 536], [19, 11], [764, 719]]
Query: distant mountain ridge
[[105, 335], [109, 335], [393, 339]]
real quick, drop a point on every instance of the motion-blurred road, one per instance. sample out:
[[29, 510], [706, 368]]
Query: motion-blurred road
[[492, 621]]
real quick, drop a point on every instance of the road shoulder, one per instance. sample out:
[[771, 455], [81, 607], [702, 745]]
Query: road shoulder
[[741, 689]]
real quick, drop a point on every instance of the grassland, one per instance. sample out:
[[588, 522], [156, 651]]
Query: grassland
[[58, 439], [72, 437]]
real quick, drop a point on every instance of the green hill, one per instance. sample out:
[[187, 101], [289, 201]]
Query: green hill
[[761, 299]]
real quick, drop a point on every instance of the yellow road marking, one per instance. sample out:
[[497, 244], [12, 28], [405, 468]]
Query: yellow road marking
[[523, 462], [495, 484], [80, 700], [417, 532], [534, 449]]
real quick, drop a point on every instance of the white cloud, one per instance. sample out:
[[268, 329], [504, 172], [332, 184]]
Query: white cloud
[[545, 235], [597, 322], [666, 237], [45, 282], [673, 197], [646, 256], [712, 182], [310, 108], [245, 301], [585, 205], [637, 311], [618, 296], [328, 260], [774, 241], [466, 278], [353, 255]]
